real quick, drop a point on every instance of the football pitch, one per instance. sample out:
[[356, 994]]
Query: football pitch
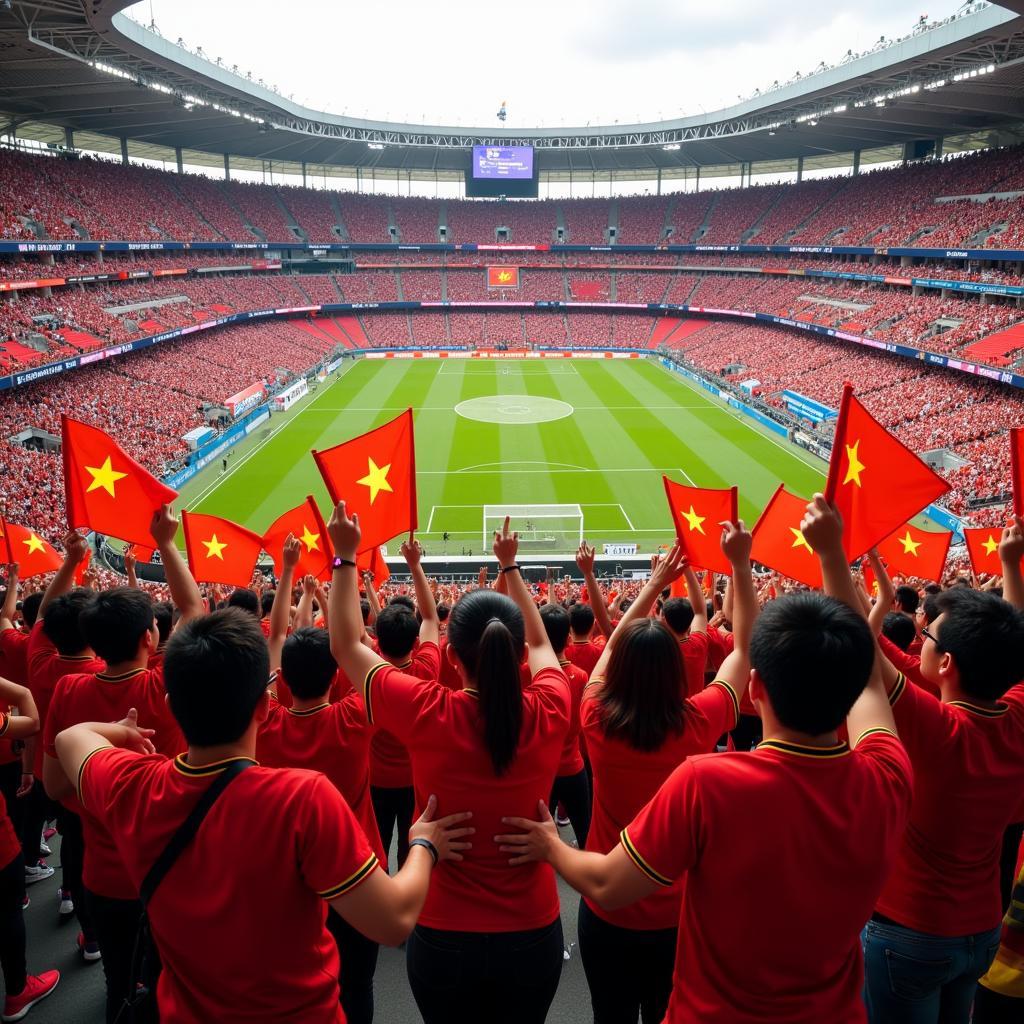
[[594, 432]]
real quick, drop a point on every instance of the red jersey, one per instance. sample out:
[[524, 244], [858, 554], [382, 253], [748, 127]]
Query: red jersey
[[449, 673], [719, 646], [803, 837], [626, 778], [100, 697], [247, 944], [10, 846], [694, 648], [333, 739], [45, 667], [584, 654], [390, 767], [969, 786], [443, 731], [14, 656], [909, 664]]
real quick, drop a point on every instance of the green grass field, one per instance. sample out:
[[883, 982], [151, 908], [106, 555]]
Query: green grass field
[[630, 422]]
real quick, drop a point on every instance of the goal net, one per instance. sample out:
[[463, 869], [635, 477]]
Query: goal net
[[540, 527]]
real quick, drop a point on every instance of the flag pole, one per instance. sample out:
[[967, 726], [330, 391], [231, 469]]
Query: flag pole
[[832, 484]]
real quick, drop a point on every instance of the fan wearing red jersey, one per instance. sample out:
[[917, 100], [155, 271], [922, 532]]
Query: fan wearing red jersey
[[582, 650], [687, 618], [828, 821], [942, 900], [488, 936], [250, 943], [332, 738]]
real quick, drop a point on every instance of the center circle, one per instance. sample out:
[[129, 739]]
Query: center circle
[[509, 409]]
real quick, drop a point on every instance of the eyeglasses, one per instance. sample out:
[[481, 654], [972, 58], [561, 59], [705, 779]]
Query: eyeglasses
[[931, 636]]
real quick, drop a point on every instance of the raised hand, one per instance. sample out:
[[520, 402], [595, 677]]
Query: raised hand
[[1011, 546], [585, 559], [446, 834], [506, 544], [76, 548], [344, 532], [411, 550], [736, 542], [668, 568], [292, 551], [164, 526], [822, 527]]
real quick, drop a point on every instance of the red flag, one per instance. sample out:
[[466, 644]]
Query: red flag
[[82, 566], [915, 552], [1017, 468], [8, 552], [33, 553], [875, 481], [142, 554], [306, 523], [983, 547], [220, 551], [779, 543], [106, 490], [696, 513], [373, 561], [375, 475]]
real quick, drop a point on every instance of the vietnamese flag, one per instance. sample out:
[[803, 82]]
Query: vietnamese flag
[[372, 561], [307, 525], [82, 567], [983, 547], [33, 554], [220, 551], [874, 480], [779, 542], [375, 475], [914, 552], [105, 489], [696, 513], [1017, 468], [502, 277]]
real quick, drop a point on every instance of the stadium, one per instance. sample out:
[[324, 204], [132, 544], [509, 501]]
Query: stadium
[[229, 286]]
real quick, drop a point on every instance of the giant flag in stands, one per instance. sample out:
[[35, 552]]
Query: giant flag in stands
[[1017, 468], [33, 555], [307, 525], [220, 551], [913, 552], [105, 489], [696, 513], [780, 544], [874, 480], [375, 475]]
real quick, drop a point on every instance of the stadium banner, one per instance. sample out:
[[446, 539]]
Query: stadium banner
[[334, 364], [808, 408], [287, 398], [15, 286], [246, 399], [502, 277], [620, 549]]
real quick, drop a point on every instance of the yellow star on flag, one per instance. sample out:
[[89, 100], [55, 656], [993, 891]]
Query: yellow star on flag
[[104, 477], [854, 465], [504, 276], [309, 539], [799, 540], [991, 545], [376, 479], [694, 520], [214, 547], [34, 544], [910, 545]]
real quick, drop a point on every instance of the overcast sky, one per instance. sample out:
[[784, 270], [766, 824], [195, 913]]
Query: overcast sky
[[554, 61]]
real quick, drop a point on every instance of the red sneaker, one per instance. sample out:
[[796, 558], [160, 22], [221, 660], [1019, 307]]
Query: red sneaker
[[37, 987]]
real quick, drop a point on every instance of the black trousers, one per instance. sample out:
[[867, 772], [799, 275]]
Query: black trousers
[[629, 971], [358, 966], [10, 780], [12, 924], [38, 808], [393, 809], [499, 977], [573, 792], [72, 856], [117, 926]]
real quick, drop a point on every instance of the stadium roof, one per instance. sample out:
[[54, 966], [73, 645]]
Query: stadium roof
[[84, 66]]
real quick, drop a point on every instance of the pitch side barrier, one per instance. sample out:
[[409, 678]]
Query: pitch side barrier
[[636, 308]]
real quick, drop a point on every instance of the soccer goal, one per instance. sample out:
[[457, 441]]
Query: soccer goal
[[540, 527]]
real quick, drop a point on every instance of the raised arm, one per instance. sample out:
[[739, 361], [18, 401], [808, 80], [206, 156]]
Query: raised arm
[[371, 597], [304, 611], [695, 595], [540, 653], [1011, 551], [736, 544], [184, 589], [886, 593], [430, 624], [585, 563], [10, 605], [282, 606], [75, 550], [129, 566]]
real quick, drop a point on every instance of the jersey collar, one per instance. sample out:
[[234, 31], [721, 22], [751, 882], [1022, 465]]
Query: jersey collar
[[309, 711], [976, 709], [121, 676], [214, 768], [804, 750]]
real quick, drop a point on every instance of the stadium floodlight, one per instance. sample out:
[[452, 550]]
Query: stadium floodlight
[[551, 528]]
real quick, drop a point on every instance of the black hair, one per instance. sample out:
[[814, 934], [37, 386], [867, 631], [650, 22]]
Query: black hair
[[402, 601], [678, 614], [163, 612], [443, 611], [932, 588], [397, 630], [486, 631], [899, 629], [814, 656], [556, 625], [624, 605], [581, 618], [30, 608], [985, 637], [931, 608], [307, 664], [642, 698], [907, 599], [216, 669], [61, 622], [266, 602], [245, 599], [364, 610], [115, 621]]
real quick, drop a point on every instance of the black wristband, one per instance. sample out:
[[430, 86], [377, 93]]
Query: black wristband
[[339, 562], [427, 845], [511, 568]]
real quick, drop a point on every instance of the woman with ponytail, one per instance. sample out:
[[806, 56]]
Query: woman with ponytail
[[488, 945]]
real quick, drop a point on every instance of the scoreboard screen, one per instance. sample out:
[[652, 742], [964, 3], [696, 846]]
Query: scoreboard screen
[[503, 163]]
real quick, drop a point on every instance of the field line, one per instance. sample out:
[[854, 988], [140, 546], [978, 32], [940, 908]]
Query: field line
[[629, 522]]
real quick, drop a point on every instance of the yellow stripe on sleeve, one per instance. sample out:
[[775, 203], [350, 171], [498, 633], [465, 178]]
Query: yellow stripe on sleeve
[[638, 860], [351, 882]]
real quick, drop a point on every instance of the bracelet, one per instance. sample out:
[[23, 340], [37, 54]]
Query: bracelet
[[511, 568], [427, 845], [338, 562]]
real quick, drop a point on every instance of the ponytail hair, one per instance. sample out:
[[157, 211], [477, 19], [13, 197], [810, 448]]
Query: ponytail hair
[[486, 629]]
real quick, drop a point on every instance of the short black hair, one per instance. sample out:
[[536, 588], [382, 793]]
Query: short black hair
[[985, 637], [556, 625], [443, 611], [931, 607], [307, 664], [115, 621], [30, 608], [61, 622], [403, 601], [581, 618], [163, 612], [397, 630], [932, 588], [907, 599], [814, 656], [216, 669], [899, 629], [678, 614], [266, 602], [245, 599]]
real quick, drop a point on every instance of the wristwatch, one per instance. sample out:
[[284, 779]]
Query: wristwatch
[[337, 563]]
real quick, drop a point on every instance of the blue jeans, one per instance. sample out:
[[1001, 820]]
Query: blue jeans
[[914, 978]]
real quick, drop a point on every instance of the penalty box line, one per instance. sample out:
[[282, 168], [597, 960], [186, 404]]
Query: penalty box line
[[582, 504]]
